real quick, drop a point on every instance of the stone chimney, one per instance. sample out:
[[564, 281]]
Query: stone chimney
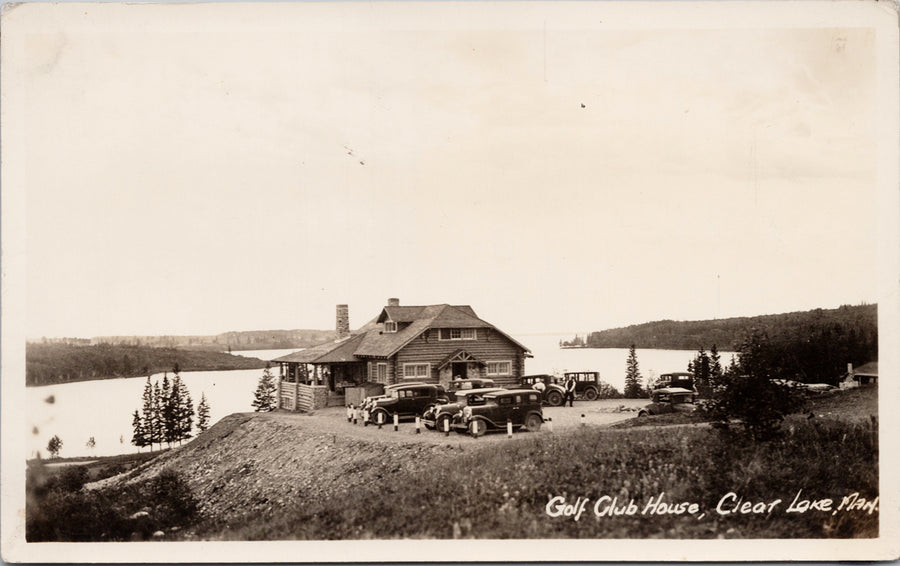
[[342, 322], [393, 302]]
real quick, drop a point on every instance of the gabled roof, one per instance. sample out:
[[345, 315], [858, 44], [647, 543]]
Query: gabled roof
[[870, 368], [372, 341]]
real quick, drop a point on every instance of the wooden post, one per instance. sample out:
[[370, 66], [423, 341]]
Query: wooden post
[[508, 428], [550, 424], [446, 427], [365, 417], [582, 419], [278, 392], [396, 422], [418, 425]]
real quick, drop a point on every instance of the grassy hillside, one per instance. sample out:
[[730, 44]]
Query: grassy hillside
[[46, 364], [272, 476]]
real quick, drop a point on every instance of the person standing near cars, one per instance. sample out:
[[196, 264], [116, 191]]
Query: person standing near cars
[[539, 385], [570, 392]]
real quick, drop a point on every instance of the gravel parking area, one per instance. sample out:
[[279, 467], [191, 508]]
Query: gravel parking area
[[601, 413]]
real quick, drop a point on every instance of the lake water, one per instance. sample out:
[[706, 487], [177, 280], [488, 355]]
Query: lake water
[[103, 409]]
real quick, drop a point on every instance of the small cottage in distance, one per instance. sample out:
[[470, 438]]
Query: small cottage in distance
[[430, 344]]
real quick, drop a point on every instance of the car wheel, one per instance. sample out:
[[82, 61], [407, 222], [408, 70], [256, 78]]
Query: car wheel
[[381, 413], [439, 424], [554, 399], [533, 422], [643, 413], [477, 428], [590, 394]]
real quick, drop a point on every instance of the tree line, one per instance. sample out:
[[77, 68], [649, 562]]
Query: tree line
[[47, 364], [811, 346], [167, 413], [728, 333]]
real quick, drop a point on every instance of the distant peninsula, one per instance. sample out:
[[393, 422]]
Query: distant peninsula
[[224, 342], [49, 364], [859, 323]]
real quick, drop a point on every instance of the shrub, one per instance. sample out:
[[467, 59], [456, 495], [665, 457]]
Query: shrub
[[57, 509]]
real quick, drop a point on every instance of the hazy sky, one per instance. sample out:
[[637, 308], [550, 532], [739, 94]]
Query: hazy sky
[[556, 172]]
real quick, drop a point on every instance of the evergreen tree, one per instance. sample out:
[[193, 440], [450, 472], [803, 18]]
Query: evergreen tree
[[91, 444], [264, 397], [54, 446], [184, 410], [148, 416], [633, 388], [157, 431], [203, 413], [139, 434], [701, 370], [715, 366], [171, 403]]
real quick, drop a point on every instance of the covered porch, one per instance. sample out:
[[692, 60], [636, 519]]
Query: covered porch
[[318, 377]]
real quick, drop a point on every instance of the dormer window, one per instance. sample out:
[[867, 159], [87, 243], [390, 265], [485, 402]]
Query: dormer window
[[390, 326]]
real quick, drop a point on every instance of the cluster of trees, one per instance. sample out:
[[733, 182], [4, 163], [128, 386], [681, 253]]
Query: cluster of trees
[[852, 331], [707, 370], [167, 413], [46, 364], [751, 391]]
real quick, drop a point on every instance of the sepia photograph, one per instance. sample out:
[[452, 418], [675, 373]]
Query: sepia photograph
[[359, 281]]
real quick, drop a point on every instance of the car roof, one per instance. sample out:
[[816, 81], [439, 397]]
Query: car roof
[[482, 391], [674, 390], [501, 392], [412, 386]]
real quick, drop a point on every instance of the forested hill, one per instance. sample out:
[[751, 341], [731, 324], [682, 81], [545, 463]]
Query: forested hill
[[859, 324], [47, 364]]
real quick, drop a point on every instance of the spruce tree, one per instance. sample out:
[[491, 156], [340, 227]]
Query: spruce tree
[[264, 397], [139, 434], [701, 371], [633, 388], [147, 415], [184, 410], [157, 431], [715, 366], [171, 402], [203, 413]]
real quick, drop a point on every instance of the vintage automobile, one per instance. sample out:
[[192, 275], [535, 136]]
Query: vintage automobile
[[554, 393], [680, 379], [438, 415], [587, 383], [367, 402], [407, 400], [669, 400], [521, 407]]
